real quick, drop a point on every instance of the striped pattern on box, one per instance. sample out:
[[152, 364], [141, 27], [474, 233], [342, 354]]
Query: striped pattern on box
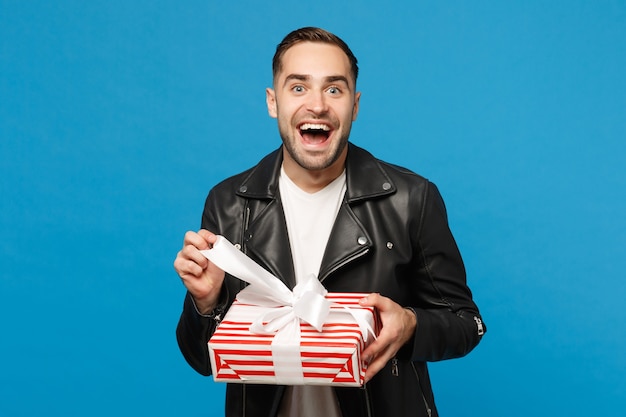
[[330, 357]]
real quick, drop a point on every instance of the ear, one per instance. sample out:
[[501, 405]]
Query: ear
[[270, 99], [355, 109]]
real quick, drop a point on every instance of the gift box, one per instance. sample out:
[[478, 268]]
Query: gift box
[[330, 357], [272, 335]]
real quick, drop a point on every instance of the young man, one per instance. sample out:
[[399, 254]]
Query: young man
[[320, 205]]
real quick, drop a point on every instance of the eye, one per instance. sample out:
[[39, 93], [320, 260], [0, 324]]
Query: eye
[[334, 90], [297, 89]]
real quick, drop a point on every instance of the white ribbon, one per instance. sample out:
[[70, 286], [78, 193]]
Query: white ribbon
[[307, 302]]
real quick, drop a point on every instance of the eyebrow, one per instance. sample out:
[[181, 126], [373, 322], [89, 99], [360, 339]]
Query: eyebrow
[[297, 77], [329, 79]]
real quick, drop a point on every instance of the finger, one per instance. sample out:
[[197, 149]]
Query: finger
[[376, 300], [208, 236], [193, 254], [185, 267], [198, 240], [378, 363], [369, 300], [382, 342]]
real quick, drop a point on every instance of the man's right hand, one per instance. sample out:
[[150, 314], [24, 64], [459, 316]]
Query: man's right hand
[[202, 278]]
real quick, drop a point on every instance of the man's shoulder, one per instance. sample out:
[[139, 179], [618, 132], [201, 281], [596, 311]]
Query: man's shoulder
[[262, 171], [394, 171], [403, 172]]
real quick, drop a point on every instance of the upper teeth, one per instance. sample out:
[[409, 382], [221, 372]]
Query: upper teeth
[[314, 126]]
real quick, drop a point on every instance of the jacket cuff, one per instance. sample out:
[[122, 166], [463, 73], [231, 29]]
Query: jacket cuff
[[443, 335], [217, 313]]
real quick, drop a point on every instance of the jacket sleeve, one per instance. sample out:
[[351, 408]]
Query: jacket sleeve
[[194, 329], [449, 324], [193, 333]]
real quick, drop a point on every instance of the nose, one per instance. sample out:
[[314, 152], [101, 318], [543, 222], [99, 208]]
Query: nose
[[317, 103]]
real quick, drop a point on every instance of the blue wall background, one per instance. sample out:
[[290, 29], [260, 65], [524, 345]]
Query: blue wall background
[[117, 117]]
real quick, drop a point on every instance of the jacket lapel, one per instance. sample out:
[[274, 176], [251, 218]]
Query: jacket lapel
[[347, 241], [266, 237]]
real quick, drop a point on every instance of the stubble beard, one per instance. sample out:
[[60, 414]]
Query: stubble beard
[[317, 161]]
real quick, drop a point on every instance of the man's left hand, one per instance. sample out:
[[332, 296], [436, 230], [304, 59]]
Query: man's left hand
[[398, 327]]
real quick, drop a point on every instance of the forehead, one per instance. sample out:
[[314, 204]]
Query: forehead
[[315, 59]]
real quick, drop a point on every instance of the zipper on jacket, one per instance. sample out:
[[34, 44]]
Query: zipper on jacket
[[419, 383], [479, 325], [243, 407], [217, 315], [244, 248], [368, 407], [394, 367], [245, 224]]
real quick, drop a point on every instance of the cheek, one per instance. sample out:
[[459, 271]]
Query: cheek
[[287, 111], [346, 111], [348, 115]]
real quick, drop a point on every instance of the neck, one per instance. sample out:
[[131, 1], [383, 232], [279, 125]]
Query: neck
[[312, 181]]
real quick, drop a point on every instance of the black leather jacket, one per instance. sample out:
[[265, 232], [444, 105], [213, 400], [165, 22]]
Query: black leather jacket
[[391, 236]]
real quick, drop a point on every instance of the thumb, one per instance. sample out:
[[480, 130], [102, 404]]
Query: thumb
[[371, 300]]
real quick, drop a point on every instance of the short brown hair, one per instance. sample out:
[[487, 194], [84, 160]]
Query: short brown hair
[[312, 34]]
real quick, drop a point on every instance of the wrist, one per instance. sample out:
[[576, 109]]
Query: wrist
[[209, 304], [205, 305], [412, 319]]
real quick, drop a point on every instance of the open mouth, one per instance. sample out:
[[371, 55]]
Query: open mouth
[[315, 133]]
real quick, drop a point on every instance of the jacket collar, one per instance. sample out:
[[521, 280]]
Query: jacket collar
[[366, 178]]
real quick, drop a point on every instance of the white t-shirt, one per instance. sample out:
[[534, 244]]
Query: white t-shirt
[[310, 218]]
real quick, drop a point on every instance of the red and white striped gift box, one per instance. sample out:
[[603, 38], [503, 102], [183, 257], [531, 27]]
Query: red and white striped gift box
[[329, 357]]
